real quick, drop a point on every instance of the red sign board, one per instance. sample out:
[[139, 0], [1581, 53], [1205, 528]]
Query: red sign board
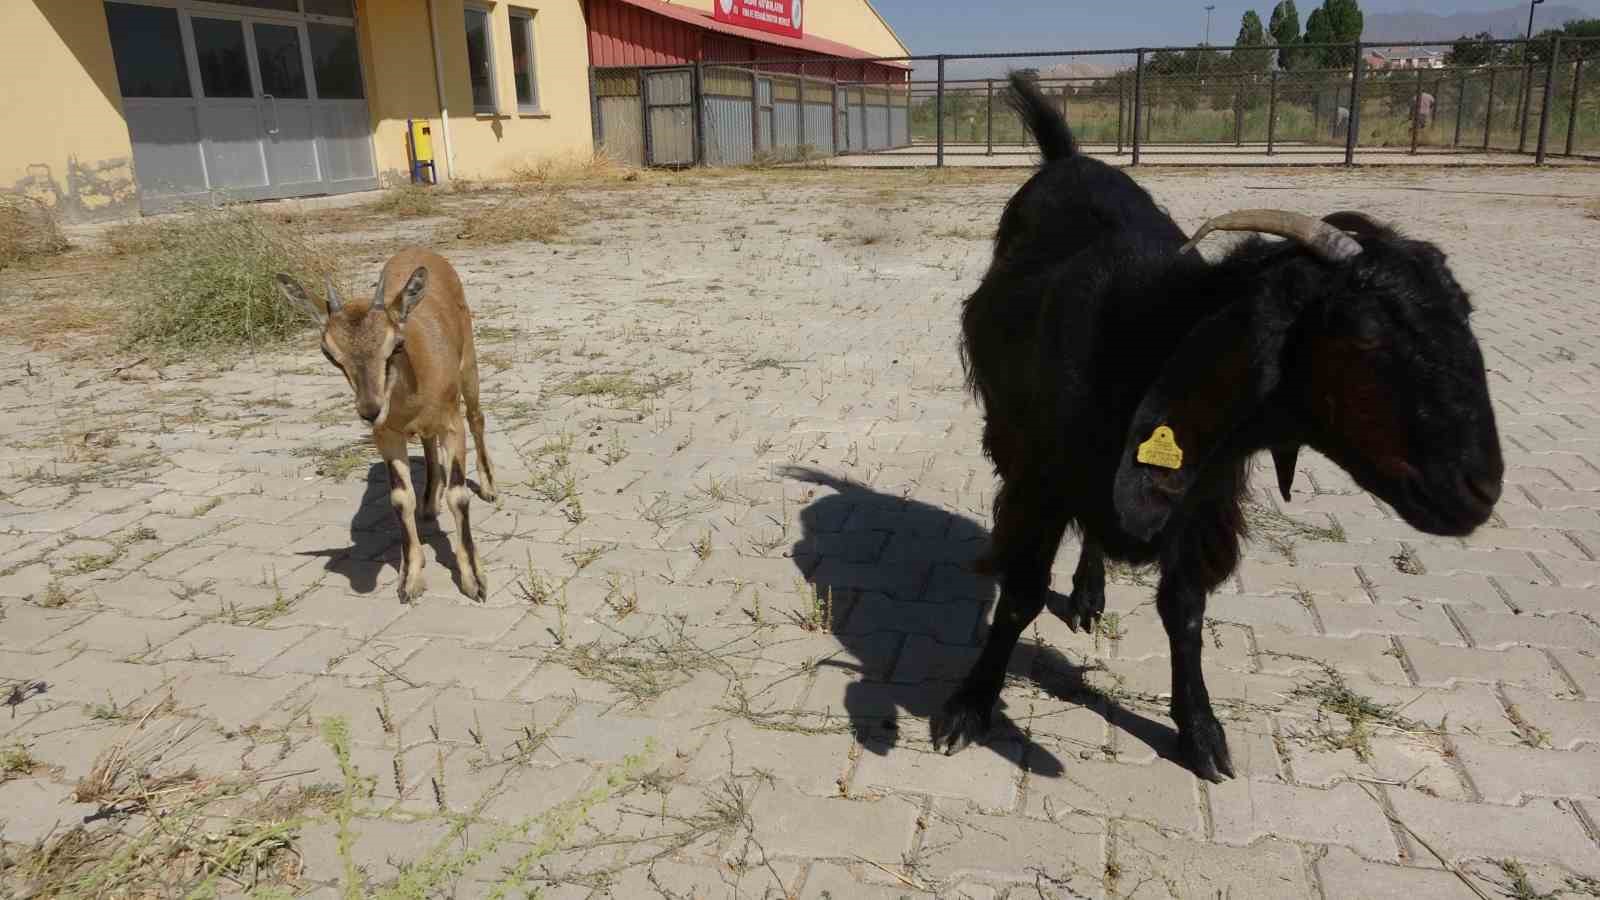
[[783, 17]]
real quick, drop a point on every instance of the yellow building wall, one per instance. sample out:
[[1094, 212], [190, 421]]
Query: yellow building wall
[[400, 79], [852, 22], [66, 143]]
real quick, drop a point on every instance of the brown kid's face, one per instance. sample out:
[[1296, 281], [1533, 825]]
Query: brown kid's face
[[363, 343]]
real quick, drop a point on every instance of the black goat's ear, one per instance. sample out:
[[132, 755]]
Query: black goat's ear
[[1212, 384]]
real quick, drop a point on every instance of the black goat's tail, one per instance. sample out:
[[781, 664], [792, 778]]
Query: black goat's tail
[[1043, 119]]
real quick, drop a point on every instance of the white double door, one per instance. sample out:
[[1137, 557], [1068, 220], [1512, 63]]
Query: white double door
[[225, 105], [256, 112]]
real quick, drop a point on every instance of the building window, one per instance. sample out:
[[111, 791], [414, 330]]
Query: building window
[[480, 61], [148, 48], [522, 61], [336, 61]]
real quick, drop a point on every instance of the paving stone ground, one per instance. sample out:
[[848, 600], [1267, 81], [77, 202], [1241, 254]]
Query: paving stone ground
[[740, 483]]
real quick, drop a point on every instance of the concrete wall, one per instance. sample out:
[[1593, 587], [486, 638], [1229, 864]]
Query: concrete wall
[[399, 58], [852, 22], [66, 143]]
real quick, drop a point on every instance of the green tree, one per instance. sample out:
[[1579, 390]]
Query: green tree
[[1251, 34], [1345, 24], [1317, 32], [1285, 29], [1471, 51], [1586, 29]]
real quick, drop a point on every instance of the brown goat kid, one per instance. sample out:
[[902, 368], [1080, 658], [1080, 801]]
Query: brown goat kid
[[409, 357]]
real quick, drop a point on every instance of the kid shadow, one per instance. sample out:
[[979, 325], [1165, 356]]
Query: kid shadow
[[375, 536], [862, 548]]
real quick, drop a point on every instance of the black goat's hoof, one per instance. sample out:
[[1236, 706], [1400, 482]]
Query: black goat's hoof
[[1080, 611], [964, 720], [1205, 749]]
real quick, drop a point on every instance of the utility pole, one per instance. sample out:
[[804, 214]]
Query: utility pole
[[1207, 41]]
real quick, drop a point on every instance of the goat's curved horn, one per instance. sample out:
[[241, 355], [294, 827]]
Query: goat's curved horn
[[1325, 240], [334, 303], [377, 294], [1353, 222]]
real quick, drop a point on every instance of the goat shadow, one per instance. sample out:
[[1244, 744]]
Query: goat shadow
[[375, 536], [852, 529]]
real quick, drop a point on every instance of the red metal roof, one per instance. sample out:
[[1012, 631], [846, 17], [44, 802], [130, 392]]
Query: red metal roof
[[807, 44]]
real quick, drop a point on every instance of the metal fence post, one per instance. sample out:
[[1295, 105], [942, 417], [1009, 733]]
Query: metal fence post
[[1272, 110], [1488, 109], [800, 113], [644, 117], [989, 129], [1138, 101], [938, 111], [1122, 102], [1549, 98], [1352, 135], [595, 124], [1416, 113], [1572, 110], [1461, 105], [1238, 116], [1526, 99], [697, 92], [755, 111]]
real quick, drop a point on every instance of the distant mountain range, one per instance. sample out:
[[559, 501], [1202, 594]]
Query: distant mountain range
[[1503, 23]]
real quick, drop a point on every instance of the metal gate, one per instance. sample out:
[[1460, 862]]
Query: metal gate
[[242, 104], [669, 117]]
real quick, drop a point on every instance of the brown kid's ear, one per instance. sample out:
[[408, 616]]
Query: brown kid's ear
[[412, 293], [295, 294], [1216, 380]]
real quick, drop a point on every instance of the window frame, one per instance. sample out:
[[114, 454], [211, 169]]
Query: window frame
[[467, 9], [528, 28]]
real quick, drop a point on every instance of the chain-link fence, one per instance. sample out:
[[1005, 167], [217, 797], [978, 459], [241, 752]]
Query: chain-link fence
[[1466, 102]]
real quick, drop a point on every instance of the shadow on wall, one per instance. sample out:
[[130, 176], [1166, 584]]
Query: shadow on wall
[[86, 190], [896, 565], [375, 535]]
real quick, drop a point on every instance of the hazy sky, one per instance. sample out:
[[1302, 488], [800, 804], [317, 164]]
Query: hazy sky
[[953, 26]]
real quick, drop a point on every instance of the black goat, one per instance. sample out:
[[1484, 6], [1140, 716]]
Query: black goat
[[1126, 382]]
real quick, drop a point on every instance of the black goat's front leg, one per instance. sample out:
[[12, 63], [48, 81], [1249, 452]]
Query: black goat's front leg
[[1034, 528], [1088, 601], [1200, 736]]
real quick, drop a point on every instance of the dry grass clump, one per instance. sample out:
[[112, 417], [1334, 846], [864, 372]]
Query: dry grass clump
[[133, 238], [1592, 209], [542, 217], [210, 285], [28, 230], [409, 201], [575, 169]]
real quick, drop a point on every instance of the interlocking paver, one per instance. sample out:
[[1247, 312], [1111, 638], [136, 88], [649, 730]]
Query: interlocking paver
[[1539, 830], [1068, 852], [878, 830], [1442, 666], [1245, 810], [1510, 775], [1346, 876], [1154, 865], [486, 673]]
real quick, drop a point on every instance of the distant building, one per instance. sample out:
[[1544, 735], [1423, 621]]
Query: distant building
[[1405, 58]]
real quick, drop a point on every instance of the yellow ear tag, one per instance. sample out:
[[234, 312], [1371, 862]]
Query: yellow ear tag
[[1161, 450]]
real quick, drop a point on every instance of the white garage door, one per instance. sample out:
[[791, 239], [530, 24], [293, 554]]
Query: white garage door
[[242, 100]]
